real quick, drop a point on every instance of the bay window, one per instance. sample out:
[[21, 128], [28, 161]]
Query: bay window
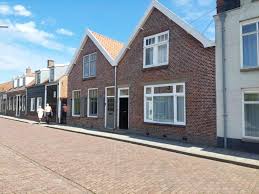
[[89, 65], [92, 102], [250, 41], [156, 50], [165, 104], [76, 103], [251, 114]]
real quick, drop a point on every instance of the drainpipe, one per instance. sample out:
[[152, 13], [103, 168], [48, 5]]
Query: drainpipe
[[222, 19], [116, 97]]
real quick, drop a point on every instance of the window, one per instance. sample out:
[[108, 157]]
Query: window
[[15, 83], [89, 65], [39, 102], [23, 103], [251, 114], [14, 103], [76, 103], [165, 104], [32, 104], [92, 102], [10, 103], [156, 50], [38, 78], [52, 74], [21, 82], [250, 41]]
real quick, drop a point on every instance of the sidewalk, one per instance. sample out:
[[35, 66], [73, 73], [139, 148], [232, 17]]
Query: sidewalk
[[212, 153]]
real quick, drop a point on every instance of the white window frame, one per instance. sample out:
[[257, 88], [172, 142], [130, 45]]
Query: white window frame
[[73, 111], [247, 91], [51, 79], [89, 55], [32, 108], [155, 48], [88, 104], [244, 23], [174, 94], [38, 99]]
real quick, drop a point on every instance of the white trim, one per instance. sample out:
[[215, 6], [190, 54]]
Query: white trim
[[247, 91], [174, 94], [118, 105], [187, 27], [88, 102], [74, 115], [105, 111]]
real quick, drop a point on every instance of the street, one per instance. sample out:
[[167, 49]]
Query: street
[[35, 159]]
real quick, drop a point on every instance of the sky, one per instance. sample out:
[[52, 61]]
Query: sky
[[42, 30]]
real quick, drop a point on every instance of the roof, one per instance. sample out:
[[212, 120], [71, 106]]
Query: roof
[[187, 27], [110, 48], [6, 86]]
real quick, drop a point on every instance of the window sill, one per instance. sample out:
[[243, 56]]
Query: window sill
[[165, 124], [89, 78], [93, 117], [163, 66], [76, 116], [249, 69]]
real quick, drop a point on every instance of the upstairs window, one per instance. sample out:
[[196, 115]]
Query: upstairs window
[[52, 74], [250, 41], [89, 65], [156, 50], [38, 78]]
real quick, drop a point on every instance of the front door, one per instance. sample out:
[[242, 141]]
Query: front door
[[123, 113], [110, 113]]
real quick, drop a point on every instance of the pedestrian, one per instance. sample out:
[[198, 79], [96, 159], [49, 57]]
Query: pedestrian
[[48, 111], [40, 112], [64, 114]]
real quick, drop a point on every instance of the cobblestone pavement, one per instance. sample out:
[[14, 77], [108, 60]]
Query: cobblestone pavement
[[34, 159]]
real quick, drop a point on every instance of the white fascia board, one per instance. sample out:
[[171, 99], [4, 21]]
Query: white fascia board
[[187, 27]]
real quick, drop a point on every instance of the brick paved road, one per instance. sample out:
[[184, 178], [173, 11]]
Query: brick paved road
[[37, 159]]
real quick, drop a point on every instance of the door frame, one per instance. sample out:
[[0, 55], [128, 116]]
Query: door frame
[[105, 120], [118, 105]]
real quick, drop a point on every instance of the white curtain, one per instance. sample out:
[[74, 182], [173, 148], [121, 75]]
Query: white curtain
[[162, 53], [163, 108], [252, 120], [149, 56]]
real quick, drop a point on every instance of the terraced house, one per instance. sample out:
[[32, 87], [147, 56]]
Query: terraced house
[[4, 87], [161, 83]]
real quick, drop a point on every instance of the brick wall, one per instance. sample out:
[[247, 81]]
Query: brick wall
[[189, 62]]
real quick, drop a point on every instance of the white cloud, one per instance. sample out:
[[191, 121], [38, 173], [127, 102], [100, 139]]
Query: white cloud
[[18, 10], [21, 10], [65, 32], [182, 2]]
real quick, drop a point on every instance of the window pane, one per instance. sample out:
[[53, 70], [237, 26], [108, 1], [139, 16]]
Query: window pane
[[252, 97], [163, 38], [163, 90], [164, 109], [110, 92], [124, 92], [180, 109], [179, 88], [249, 28], [162, 53], [149, 108], [93, 102], [250, 50], [148, 91], [77, 102], [149, 56], [251, 120], [92, 68]]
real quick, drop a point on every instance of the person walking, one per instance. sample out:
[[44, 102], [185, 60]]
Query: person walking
[[48, 111], [64, 114], [40, 112]]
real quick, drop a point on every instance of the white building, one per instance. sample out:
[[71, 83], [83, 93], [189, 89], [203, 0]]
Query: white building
[[237, 70]]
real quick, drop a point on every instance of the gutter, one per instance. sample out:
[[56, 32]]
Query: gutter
[[116, 97], [222, 19]]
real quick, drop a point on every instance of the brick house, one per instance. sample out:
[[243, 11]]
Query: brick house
[[16, 96], [4, 87], [166, 80], [91, 82]]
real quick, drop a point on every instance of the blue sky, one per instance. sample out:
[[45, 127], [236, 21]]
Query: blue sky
[[41, 30]]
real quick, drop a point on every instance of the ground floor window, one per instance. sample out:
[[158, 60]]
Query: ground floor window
[[92, 102], [76, 103], [23, 103], [39, 102], [251, 114], [10, 103], [165, 104], [32, 104], [14, 103]]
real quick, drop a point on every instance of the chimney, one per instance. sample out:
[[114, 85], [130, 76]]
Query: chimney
[[28, 71], [226, 5], [50, 63]]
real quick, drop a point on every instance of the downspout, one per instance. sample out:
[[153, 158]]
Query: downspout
[[116, 97], [222, 19]]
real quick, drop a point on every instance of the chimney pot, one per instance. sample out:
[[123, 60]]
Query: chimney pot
[[50, 63]]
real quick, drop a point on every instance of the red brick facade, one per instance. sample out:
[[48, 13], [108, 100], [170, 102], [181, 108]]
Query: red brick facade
[[189, 62], [104, 78]]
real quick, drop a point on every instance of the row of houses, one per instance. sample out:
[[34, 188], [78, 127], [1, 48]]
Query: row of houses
[[168, 81]]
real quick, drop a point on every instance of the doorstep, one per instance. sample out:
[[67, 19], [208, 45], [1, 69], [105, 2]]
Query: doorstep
[[218, 154]]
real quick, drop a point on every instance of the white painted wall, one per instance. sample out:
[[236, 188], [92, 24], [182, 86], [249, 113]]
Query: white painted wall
[[236, 81]]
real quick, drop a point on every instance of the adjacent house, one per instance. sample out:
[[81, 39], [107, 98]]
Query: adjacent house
[[36, 93], [56, 89], [91, 82], [237, 73], [166, 80], [16, 96], [4, 87]]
